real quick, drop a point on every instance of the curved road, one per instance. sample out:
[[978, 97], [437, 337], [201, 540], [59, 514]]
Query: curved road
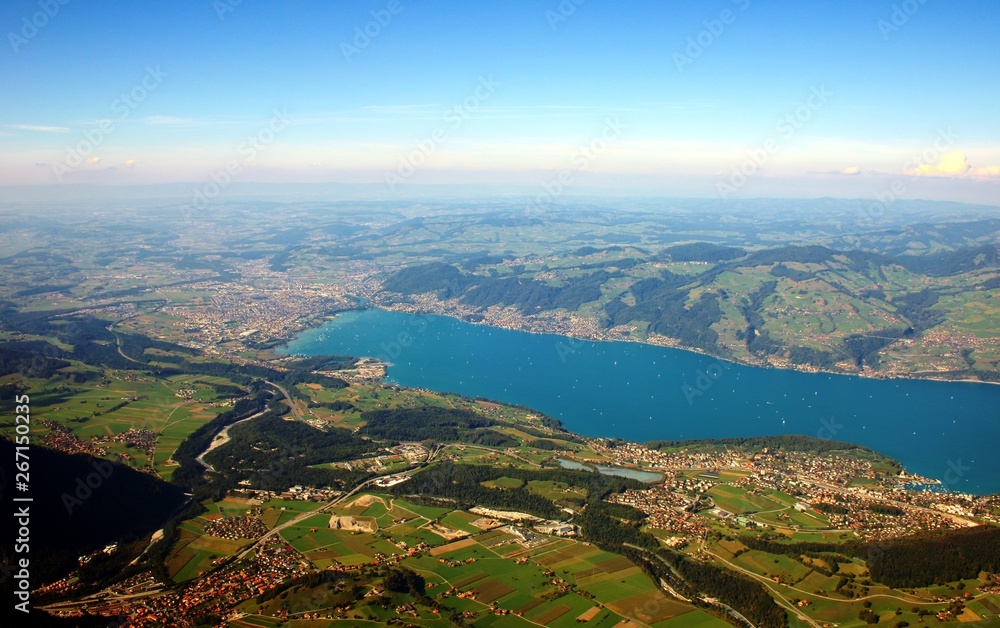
[[295, 409]]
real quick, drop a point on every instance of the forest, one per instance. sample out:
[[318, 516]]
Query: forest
[[784, 442], [921, 560], [80, 504], [616, 529], [685, 306], [273, 453], [665, 307], [530, 296], [442, 425], [462, 483]]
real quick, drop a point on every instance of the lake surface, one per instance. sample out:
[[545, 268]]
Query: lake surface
[[945, 430], [642, 476]]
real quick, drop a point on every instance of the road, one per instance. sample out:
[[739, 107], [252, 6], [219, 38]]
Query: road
[[781, 599], [118, 345], [770, 584], [325, 507], [295, 409], [502, 452], [339, 500], [725, 607]]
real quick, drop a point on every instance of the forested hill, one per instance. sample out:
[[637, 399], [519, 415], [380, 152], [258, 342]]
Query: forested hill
[[79, 505], [798, 306]]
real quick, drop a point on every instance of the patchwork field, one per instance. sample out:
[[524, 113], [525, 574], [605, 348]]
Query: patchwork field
[[172, 408]]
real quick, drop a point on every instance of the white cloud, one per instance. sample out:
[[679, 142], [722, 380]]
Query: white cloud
[[951, 164], [955, 164], [128, 163], [987, 172], [36, 127], [168, 120], [850, 171]]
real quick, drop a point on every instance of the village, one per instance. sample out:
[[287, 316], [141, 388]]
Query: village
[[843, 493]]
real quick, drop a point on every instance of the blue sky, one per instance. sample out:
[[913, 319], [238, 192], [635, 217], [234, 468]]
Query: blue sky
[[714, 98]]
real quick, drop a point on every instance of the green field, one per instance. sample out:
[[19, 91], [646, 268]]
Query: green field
[[739, 501]]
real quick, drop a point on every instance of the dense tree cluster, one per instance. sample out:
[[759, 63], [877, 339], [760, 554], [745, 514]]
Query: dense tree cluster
[[785, 442], [916, 307], [464, 485], [813, 357], [864, 348], [81, 504], [433, 277], [273, 453], [791, 273], [758, 339], [190, 473], [437, 424], [550, 445], [403, 580], [921, 560], [617, 530], [948, 263], [747, 597], [831, 509], [703, 252], [664, 305], [322, 363], [530, 296], [33, 358], [928, 559]]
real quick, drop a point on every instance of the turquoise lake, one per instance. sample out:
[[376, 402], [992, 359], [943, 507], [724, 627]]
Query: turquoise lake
[[944, 430]]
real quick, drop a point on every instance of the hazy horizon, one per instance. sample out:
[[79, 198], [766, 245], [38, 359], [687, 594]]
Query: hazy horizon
[[730, 100]]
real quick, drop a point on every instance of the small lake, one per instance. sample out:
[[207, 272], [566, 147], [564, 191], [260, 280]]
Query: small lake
[[945, 430], [642, 476]]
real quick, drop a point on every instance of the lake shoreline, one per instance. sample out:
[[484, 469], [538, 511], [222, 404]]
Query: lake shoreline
[[695, 350], [651, 393]]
